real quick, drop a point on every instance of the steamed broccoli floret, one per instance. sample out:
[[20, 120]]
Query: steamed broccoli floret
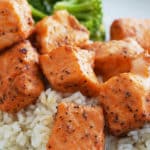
[[88, 12]]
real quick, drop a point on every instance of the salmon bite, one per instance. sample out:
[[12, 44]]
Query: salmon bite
[[114, 57], [16, 23], [19, 77], [60, 29], [138, 29], [77, 126], [69, 69]]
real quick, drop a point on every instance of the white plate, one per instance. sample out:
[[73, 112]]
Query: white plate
[[114, 9]]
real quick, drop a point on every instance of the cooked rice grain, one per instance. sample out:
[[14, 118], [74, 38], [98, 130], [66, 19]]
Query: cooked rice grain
[[135, 140], [30, 128]]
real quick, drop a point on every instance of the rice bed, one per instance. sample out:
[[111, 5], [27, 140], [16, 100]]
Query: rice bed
[[30, 128]]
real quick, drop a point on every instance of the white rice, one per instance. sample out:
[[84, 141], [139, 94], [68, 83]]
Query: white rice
[[135, 140], [30, 128]]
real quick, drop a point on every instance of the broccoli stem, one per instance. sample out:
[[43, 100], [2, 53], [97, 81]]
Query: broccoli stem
[[84, 6], [36, 13], [85, 16]]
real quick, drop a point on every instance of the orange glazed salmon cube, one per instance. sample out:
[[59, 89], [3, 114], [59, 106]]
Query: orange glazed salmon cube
[[126, 102], [16, 22], [69, 69], [77, 127], [20, 79], [58, 30]]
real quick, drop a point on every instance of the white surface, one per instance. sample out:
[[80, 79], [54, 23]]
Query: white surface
[[114, 9]]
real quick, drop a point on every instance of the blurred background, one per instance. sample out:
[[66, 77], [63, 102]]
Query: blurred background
[[114, 9]]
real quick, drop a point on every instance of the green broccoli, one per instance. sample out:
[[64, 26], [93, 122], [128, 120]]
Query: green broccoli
[[88, 12]]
